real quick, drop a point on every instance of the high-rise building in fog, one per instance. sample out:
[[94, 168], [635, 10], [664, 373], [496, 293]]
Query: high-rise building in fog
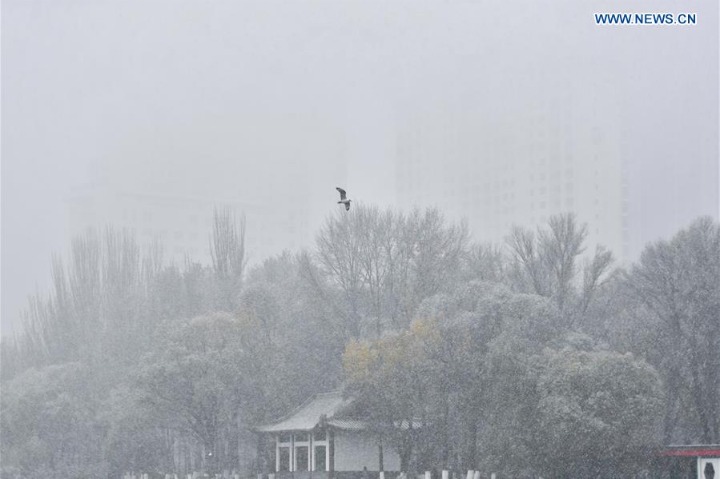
[[183, 225], [276, 171], [523, 162], [517, 165]]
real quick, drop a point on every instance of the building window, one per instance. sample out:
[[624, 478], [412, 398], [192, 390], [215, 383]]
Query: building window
[[320, 459], [284, 456], [301, 458], [320, 435], [301, 437]]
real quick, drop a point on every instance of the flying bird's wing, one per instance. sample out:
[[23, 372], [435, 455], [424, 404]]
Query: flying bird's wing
[[347, 206], [342, 193]]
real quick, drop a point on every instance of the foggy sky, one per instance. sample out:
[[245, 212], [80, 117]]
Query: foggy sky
[[213, 97]]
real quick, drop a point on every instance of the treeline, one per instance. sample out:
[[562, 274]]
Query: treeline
[[535, 357]]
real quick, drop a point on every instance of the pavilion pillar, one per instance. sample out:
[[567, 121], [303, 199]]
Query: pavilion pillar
[[259, 455], [331, 453]]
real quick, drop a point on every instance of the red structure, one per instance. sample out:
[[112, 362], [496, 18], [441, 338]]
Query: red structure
[[701, 461]]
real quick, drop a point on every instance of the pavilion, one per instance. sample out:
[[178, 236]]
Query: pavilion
[[321, 439]]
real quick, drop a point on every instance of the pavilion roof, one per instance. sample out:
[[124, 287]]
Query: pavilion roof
[[311, 413]]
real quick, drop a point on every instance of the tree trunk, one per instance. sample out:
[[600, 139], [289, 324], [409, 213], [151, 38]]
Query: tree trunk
[[470, 462]]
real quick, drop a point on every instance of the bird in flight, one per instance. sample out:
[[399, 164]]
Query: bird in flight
[[343, 198]]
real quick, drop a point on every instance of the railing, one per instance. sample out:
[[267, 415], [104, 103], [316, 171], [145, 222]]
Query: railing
[[445, 474], [194, 475]]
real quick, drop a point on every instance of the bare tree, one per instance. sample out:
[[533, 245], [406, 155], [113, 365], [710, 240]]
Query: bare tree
[[679, 282], [227, 250], [486, 262], [385, 263], [546, 263], [529, 267]]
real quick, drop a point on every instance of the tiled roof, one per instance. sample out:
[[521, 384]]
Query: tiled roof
[[307, 416], [337, 412], [347, 424]]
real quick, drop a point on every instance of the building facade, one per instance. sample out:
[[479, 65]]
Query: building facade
[[183, 224], [516, 166], [517, 148]]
